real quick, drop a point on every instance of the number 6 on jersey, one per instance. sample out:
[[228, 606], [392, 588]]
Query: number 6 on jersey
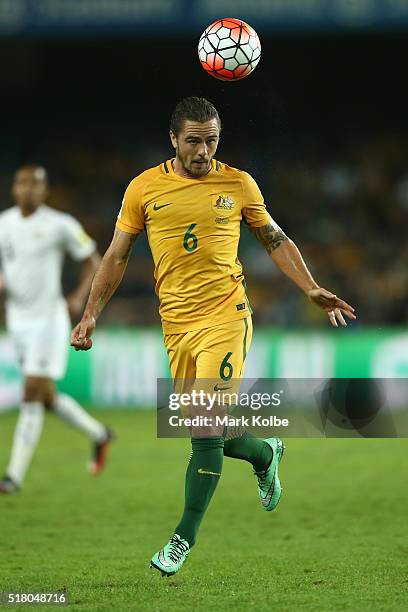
[[190, 240]]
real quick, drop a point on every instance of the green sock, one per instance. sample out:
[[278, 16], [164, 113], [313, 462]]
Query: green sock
[[202, 476], [251, 449]]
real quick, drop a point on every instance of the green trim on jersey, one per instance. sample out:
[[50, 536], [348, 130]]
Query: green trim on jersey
[[246, 297], [244, 350]]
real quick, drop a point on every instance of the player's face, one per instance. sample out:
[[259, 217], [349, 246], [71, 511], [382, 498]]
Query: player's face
[[195, 146], [29, 188]]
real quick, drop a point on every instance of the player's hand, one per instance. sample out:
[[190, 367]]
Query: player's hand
[[334, 306], [81, 334], [75, 305]]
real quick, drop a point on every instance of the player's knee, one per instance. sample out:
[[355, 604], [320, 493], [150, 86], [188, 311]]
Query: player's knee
[[32, 392], [207, 420], [36, 390], [205, 430], [49, 395]]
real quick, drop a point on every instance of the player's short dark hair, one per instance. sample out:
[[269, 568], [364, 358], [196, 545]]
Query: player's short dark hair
[[193, 109]]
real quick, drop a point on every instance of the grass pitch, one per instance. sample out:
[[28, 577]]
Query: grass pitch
[[338, 540]]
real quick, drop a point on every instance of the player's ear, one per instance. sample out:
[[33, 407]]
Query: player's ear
[[173, 139]]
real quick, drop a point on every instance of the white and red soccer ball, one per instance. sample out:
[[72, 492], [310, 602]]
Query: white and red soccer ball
[[229, 49]]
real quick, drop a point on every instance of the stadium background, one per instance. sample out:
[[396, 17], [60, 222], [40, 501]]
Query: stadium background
[[321, 125], [87, 87]]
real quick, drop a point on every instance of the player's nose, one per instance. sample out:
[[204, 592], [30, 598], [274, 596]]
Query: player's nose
[[203, 150]]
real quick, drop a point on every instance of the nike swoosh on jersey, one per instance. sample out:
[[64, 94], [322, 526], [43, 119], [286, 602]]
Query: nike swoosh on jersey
[[159, 206]]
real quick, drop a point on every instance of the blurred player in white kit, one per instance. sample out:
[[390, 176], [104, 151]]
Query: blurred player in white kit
[[33, 241]]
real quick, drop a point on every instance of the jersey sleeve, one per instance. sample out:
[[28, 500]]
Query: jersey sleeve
[[253, 207], [131, 217], [76, 241]]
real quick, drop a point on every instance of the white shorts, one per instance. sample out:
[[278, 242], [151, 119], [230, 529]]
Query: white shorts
[[42, 344]]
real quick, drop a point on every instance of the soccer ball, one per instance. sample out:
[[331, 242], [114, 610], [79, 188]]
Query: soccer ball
[[229, 49]]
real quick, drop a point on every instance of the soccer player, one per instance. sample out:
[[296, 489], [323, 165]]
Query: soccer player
[[191, 208], [33, 241]]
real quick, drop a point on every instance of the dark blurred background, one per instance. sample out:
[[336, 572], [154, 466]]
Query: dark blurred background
[[321, 125]]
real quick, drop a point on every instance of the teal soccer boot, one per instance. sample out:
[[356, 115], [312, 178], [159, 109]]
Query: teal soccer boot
[[269, 486], [170, 559]]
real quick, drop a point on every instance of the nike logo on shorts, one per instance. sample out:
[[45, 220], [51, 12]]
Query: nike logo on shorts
[[218, 388]]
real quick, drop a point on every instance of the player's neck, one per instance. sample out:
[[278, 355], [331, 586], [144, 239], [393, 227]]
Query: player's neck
[[28, 212]]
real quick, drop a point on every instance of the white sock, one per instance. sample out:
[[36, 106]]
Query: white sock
[[69, 409], [26, 435]]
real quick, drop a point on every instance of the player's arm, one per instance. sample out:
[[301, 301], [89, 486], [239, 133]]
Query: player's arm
[[288, 258], [107, 279], [76, 299]]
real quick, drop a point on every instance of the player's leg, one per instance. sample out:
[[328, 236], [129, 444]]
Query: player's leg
[[42, 351], [70, 411], [222, 360], [26, 435], [241, 444], [31, 415], [202, 476], [204, 467], [64, 405]]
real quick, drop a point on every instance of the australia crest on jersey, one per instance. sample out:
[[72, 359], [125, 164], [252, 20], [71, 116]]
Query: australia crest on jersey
[[223, 206]]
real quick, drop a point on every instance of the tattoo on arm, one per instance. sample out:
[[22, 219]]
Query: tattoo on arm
[[270, 236], [109, 275], [103, 296], [126, 254], [105, 293]]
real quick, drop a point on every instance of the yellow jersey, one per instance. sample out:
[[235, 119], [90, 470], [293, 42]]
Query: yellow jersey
[[193, 230]]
